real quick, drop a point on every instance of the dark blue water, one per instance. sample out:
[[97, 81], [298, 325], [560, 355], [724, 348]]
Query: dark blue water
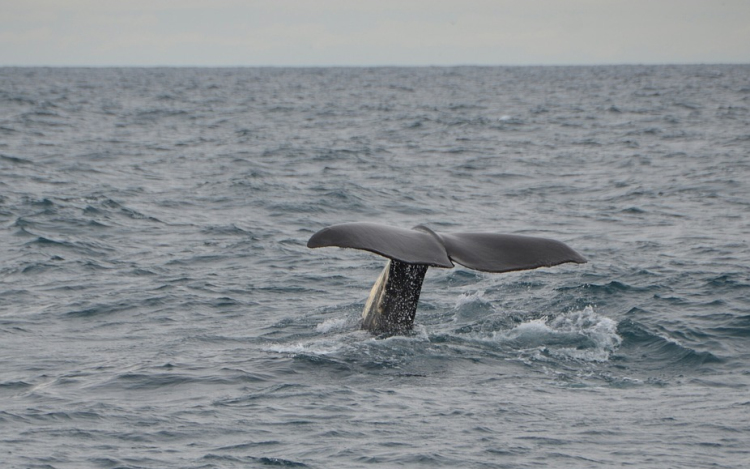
[[159, 308]]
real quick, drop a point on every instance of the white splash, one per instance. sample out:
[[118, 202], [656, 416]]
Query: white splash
[[469, 298], [293, 349], [600, 329], [332, 325], [312, 348], [578, 335]]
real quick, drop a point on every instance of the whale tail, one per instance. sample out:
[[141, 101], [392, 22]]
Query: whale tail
[[392, 304]]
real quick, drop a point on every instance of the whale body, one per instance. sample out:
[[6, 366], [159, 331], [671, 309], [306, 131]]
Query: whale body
[[392, 304]]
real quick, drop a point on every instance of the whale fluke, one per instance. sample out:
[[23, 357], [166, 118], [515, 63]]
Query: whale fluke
[[499, 253], [393, 300], [410, 246]]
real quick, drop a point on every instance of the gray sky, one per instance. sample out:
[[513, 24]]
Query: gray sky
[[374, 32]]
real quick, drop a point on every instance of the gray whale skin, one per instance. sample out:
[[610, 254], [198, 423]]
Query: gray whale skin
[[393, 299]]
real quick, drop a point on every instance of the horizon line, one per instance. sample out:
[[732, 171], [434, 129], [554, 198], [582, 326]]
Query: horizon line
[[312, 66]]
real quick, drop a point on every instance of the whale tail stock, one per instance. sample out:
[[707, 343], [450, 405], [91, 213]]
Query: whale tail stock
[[392, 304]]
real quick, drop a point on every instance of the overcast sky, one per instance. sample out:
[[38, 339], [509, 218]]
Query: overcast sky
[[372, 32]]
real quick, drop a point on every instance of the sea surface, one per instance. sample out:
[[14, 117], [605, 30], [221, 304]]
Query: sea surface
[[159, 307]]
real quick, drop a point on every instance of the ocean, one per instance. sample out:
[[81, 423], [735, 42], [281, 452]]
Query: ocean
[[159, 307]]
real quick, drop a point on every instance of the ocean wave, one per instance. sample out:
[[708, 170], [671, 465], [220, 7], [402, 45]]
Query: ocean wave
[[652, 350], [158, 300]]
